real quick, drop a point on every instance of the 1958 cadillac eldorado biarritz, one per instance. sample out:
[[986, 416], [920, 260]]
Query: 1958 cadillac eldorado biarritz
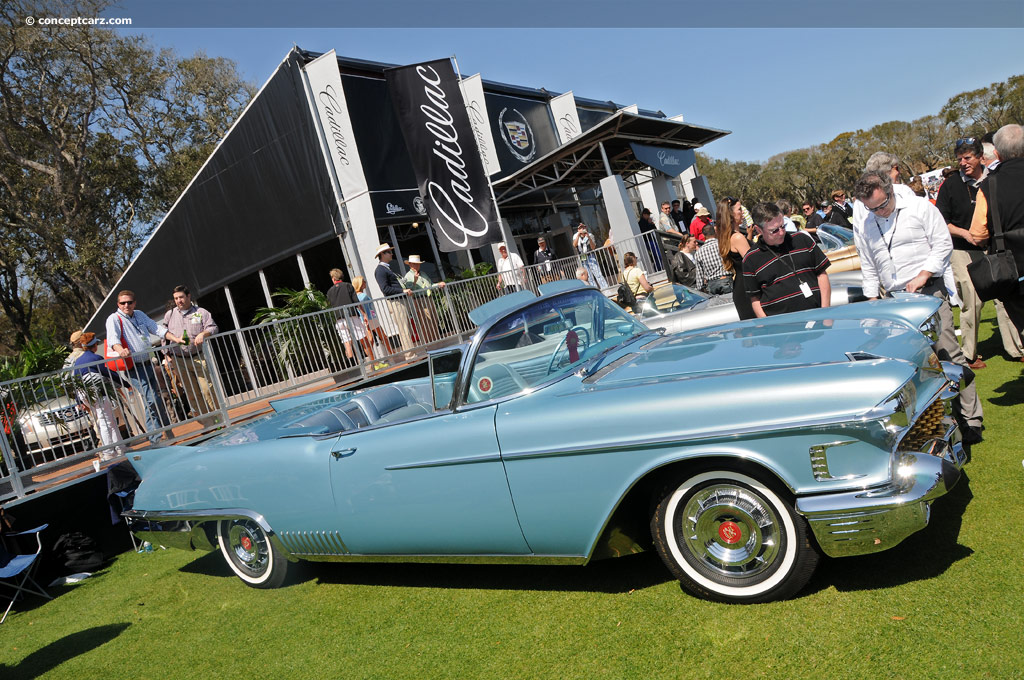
[[566, 431]]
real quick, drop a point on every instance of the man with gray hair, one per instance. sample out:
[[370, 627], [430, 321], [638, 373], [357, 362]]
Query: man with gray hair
[[904, 245], [1009, 202]]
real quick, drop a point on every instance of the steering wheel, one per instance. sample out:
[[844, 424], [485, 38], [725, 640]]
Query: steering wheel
[[583, 339]]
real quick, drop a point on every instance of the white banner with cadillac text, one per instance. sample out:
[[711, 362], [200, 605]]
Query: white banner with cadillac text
[[331, 113], [567, 120], [476, 107]]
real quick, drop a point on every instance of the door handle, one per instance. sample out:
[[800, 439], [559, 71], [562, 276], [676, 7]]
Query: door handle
[[341, 453]]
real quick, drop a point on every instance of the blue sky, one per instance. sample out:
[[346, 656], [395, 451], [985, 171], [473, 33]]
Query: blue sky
[[776, 89]]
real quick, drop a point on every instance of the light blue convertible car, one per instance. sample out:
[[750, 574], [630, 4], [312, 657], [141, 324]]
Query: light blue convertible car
[[566, 431]]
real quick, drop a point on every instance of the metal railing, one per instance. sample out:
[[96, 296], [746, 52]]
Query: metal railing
[[56, 421]]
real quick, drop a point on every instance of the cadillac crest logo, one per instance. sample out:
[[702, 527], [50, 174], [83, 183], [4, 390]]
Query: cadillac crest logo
[[517, 135]]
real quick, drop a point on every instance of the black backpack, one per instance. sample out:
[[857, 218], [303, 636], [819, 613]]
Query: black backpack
[[624, 296], [77, 552]]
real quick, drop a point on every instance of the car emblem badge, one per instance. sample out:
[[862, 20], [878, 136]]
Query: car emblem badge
[[484, 385], [729, 532], [247, 543]]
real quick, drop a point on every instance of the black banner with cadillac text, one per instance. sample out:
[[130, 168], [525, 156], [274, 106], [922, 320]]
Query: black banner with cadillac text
[[449, 173]]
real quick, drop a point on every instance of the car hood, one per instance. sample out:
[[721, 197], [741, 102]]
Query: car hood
[[773, 344]]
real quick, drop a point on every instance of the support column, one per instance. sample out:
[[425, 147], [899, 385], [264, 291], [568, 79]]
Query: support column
[[620, 211], [361, 241]]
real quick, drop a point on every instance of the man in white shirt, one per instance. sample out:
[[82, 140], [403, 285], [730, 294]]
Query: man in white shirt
[[510, 271], [904, 244]]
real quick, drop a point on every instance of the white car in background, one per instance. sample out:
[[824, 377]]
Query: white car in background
[[701, 310]]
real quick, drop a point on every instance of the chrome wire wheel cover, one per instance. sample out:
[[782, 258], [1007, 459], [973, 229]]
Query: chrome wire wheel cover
[[248, 548], [730, 532]]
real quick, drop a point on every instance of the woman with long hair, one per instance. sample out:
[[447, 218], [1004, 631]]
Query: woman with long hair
[[733, 245]]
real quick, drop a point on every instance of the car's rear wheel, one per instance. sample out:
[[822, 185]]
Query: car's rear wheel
[[250, 554], [731, 538]]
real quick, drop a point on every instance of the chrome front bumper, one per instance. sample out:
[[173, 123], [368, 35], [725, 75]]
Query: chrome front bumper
[[872, 520]]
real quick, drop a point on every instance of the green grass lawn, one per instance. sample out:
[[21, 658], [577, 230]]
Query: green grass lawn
[[946, 603]]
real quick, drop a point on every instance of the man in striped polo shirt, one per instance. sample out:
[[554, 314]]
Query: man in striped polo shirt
[[784, 272]]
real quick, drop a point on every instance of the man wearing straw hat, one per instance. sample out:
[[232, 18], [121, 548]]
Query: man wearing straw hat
[[390, 285], [423, 306]]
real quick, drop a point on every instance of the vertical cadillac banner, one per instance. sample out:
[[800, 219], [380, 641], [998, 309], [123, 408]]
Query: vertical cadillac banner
[[567, 121], [476, 107], [330, 109], [450, 174]]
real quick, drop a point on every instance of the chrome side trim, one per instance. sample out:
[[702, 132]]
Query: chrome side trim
[[444, 462], [819, 460], [454, 559], [873, 414], [198, 516], [313, 543]]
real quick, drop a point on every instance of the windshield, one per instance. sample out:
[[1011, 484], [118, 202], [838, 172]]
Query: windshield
[[547, 340], [670, 298]]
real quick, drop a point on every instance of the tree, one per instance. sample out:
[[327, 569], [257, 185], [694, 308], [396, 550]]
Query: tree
[[99, 134], [922, 145]]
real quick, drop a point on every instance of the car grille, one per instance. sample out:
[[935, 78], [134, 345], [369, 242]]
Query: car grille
[[930, 425], [60, 416]]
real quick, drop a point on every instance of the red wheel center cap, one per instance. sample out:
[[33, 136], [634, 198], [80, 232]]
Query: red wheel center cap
[[729, 532], [247, 542]]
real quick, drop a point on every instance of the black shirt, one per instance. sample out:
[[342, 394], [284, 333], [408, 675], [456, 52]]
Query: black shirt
[[773, 275], [956, 203], [543, 255], [341, 294]]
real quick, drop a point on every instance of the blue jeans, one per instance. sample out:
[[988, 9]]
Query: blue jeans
[[143, 379]]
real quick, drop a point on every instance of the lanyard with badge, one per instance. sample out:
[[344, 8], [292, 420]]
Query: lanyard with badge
[[888, 245], [805, 288]]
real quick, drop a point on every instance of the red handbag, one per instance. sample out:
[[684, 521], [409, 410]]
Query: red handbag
[[115, 362]]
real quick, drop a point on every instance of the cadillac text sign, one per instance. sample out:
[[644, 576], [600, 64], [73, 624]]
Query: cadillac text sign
[[445, 156], [331, 111], [668, 160]]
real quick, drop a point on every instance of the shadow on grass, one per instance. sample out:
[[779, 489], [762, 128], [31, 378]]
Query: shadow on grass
[[1011, 392], [922, 556], [606, 576], [68, 647]]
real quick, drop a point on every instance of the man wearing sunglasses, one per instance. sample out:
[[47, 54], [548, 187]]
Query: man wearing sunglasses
[[130, 332], [783, 271], [904, 245], [956, 203]]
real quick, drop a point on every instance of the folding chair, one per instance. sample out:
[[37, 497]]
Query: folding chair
[[16, 569]]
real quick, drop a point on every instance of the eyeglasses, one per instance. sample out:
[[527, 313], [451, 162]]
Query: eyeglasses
[[732, 200], [772, 232], [880, 206], [125, 302], [807, 208], [965, 141]]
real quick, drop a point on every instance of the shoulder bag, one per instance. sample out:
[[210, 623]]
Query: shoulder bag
[[995, 275]]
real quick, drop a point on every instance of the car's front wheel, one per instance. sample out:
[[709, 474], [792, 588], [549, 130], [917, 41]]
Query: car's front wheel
[[731, 538], [250, 554]]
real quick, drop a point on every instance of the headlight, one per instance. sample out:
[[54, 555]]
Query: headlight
[[930, 328], [901, 406]]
